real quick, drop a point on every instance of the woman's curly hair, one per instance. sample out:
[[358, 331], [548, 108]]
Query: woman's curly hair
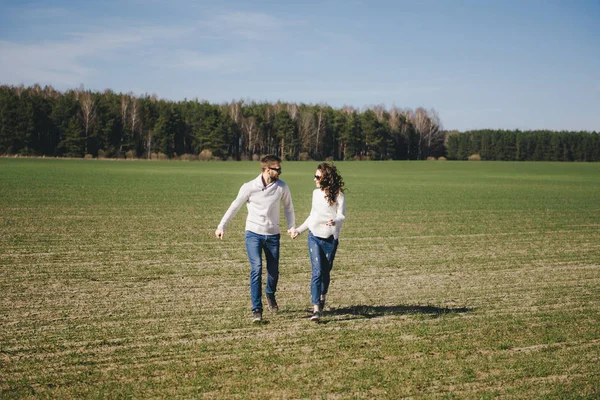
[[331, 182]]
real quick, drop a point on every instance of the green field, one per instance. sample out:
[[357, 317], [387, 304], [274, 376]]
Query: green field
[[452, 280]]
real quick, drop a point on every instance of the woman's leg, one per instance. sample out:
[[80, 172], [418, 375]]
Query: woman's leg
[[327, 272], [316, 258]]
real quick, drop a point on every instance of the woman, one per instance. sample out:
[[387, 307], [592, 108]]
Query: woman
[[324, 223]]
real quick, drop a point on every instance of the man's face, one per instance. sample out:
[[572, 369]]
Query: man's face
[[274, 171]]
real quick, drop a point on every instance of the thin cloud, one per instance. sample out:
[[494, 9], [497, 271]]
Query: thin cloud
[[61, 62], [48, 13], [344, 42], [249, 25], [198, 61], [70, 61], [49, 63], [76, 55]]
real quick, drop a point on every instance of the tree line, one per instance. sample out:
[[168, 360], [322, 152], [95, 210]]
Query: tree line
[[41, 121], [45, 122], [503, 145]]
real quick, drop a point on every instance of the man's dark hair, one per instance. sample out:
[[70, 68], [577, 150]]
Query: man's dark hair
[[268, 161]]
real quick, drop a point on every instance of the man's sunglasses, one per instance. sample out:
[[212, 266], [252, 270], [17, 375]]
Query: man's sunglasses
[[276, 169]]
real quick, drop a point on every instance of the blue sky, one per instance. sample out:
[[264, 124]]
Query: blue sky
[[502, 64]]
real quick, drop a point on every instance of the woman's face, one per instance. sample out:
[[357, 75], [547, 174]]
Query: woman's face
[[318, 178]]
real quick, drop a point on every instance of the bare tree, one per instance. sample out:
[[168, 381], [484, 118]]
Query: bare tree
[[250, 135], [292, 109], [380, 112], [235, 112], [49, 92], [149, 143], [306, 129], [135, 115], [409, 114], [266, 142], [405, 126], [435, 131], [421, 122], [124, 114], [348, 110], [153, 99], [428, 127], [320, 128], [19, 89], [279, 107], [36, 88], [395, 120], [87, 114]]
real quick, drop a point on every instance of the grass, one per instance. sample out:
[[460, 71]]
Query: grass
[[452, 280]]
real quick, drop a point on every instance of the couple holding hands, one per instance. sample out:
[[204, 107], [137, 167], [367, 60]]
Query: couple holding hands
[[263, 197]]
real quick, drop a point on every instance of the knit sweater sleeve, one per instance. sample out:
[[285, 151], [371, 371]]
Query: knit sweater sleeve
[[235, 206], [288, 207], [340, 216], [304, 225]]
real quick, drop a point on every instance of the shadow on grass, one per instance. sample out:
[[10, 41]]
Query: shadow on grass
[[379, 311]]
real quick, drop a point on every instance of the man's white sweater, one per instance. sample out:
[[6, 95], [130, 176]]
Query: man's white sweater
[[263, 204], [322, 212]]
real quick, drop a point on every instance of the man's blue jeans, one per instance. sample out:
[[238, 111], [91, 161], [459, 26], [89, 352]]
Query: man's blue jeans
[[255, 245], [322, 253]]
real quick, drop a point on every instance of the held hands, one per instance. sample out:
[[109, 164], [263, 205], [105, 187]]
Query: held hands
[[219, 233], [293, 233]]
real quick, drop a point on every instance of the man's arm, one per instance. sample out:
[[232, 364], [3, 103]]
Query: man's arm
[[235, 206], [288, 207]]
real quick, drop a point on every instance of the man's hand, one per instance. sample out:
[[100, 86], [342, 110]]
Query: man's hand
[[219, 233], [330, 223]]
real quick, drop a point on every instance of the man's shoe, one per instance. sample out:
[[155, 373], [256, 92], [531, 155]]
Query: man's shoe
[[273, 307], [315, 316], [256, 317], [321, 305]]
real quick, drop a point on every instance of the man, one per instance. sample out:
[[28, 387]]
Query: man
[[263, 196]]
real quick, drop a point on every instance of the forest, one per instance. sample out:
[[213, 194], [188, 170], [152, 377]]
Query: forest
[[41, 121]]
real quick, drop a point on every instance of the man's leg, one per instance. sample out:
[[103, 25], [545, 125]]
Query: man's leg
[[253, 249], [272, 258]]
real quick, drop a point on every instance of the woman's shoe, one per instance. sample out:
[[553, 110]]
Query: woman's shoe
[[315, 316]]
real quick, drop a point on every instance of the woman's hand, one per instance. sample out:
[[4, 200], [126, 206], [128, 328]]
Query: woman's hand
[[330, 223]]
